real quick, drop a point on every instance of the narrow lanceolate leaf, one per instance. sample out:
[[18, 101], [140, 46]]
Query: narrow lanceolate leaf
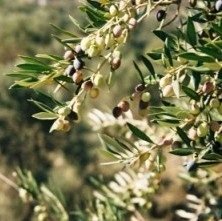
[[139, 71], [138, 133], [61, 42], [34, 67], [31, 60], [191, 32], [149, 65], [63, 31], [183, 136], [199, 57], [167, 52], [45, 116], [154, 55], [182, 151], [41, 105], [111, 145], [207, 164], [212, 156], [191, 93], [49, 57], [95, 4], [76, 23]]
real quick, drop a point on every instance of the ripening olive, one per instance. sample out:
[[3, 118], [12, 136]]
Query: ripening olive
[[69, 55], [124, 105], [87, 85], [77, 77], [78, 49], [78, 64], [208, 87], [117, 31], [115, 63], [140, 87], [214, 126], [132, 23]]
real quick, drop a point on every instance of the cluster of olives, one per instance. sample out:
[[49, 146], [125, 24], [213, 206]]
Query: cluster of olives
[[143, 95], [203, 129], [217, 5], [65, 116], [210, 101], [140, 94], [166, 86], [211, 96], [114, 33], [76, 65], [123, 106]]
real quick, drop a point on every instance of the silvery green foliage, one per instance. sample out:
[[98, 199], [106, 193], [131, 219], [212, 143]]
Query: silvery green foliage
[[181, 104], [129, 190], [204, 199], [45, 203]]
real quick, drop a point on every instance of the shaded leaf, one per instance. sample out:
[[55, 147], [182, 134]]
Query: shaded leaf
[[183, 136], [138, 133], [191, 32], [191, 93], [149, 65], [182, 151]]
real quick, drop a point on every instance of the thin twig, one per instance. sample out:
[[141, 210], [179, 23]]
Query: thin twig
[[8, 182]]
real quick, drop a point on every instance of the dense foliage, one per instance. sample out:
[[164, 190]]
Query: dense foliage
[[176, 107]]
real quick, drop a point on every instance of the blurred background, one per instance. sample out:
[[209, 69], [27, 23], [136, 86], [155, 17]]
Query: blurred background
[[64, 160]]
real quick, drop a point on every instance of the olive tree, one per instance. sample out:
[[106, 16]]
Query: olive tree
[[175, 107]]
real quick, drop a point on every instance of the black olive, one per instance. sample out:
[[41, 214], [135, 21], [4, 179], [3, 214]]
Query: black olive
[[161, 14], [117, 111], [143, 105]]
